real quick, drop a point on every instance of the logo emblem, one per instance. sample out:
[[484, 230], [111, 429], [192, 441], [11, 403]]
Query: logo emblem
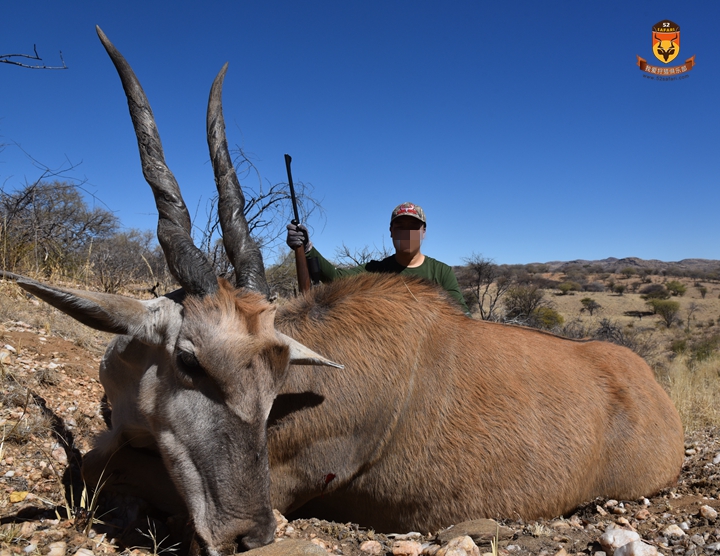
[[666, 47], [666, 40]]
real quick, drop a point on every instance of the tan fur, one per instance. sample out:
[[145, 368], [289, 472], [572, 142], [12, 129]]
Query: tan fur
[[438, 418]]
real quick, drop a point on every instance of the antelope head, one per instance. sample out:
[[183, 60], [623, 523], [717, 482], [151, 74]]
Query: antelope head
[[218, 361]]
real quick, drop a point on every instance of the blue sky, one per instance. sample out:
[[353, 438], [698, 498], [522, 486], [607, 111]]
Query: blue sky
[[524, 129]]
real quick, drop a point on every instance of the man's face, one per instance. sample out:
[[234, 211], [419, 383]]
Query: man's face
[[407, 234]]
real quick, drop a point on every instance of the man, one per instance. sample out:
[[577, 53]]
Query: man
[[407, 230]]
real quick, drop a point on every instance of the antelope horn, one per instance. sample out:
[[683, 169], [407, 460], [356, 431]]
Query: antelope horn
[[242, 251], [186, 262]]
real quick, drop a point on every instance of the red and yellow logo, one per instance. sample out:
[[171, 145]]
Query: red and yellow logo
[[666, 47], [666, 41]]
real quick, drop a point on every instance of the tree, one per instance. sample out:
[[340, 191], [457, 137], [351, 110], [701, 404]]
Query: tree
[[127, 257], [268, 209], [46, 226], [666, 309], [346, 257], [486, 284], [676, 288], [521, 301], [13, 59], [691, 309], [654, 291], [703, 291], [590, 305], [619, 289]]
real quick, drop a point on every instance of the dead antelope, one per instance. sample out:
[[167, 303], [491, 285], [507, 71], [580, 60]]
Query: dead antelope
[[435, 418]]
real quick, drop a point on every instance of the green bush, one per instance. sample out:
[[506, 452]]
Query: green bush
[[676, 288], [547, 318], [678, 346], [569, 286], [666, 309]]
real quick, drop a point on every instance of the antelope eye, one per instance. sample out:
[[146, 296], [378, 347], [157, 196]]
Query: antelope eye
[[188, 363]]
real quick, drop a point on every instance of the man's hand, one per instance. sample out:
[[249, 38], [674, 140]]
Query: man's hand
[[298, 236]]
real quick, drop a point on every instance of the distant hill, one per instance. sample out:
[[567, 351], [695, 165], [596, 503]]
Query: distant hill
[[685, 267]]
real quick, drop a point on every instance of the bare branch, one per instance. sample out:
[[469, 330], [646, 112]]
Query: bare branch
[[267, 209], [9, 59]]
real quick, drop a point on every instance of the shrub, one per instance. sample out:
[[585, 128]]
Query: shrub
[[678, 346], [654, 291], [666, 309], [569, 286], [590, 305], [594, 287], [676, 288], [547, 318]]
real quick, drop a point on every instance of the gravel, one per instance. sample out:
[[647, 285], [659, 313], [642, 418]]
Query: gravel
[[50, 411]]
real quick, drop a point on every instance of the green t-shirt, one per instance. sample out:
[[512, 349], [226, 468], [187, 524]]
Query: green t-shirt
[[431, 269]]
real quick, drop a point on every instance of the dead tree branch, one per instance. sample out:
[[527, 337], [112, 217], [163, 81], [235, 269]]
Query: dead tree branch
[[10, 59]]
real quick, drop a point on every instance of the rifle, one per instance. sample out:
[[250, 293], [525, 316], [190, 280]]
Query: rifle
[[301, 266]]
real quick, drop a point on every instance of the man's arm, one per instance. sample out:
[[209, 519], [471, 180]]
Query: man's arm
[[450, 284], [328, 271]]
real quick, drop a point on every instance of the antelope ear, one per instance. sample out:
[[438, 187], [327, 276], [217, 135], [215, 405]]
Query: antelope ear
[[301, 355], [145, 320]]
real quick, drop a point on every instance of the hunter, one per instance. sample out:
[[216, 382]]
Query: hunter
[[407, 230]]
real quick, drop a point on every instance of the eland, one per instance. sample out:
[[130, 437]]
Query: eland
[[371, 399]]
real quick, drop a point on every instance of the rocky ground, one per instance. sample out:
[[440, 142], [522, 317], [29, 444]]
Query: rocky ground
[[50, 409]]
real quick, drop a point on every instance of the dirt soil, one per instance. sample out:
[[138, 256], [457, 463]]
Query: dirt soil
[[50, 409]]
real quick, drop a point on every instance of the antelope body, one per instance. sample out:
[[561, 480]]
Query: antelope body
[[435, 418]]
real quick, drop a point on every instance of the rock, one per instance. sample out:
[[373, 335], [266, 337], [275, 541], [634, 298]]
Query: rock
[[714, 547], [560, 525], [459, 546], [321, 543], [697, 540], [613, 539], [280, 523], [28, 528], [642, 515], [372, 547], [406, 548], [636, 548], [57, 548], [690, 452], [561, 552], [288, 547], [481, 531], [708, 513], [716, 459], [673, 531], [59, 455], [84, 552]]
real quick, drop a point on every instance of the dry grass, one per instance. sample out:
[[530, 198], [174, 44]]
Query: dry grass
[[694, 388]]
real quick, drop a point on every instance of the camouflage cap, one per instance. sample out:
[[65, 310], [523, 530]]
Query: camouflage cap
[[409, 209]]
